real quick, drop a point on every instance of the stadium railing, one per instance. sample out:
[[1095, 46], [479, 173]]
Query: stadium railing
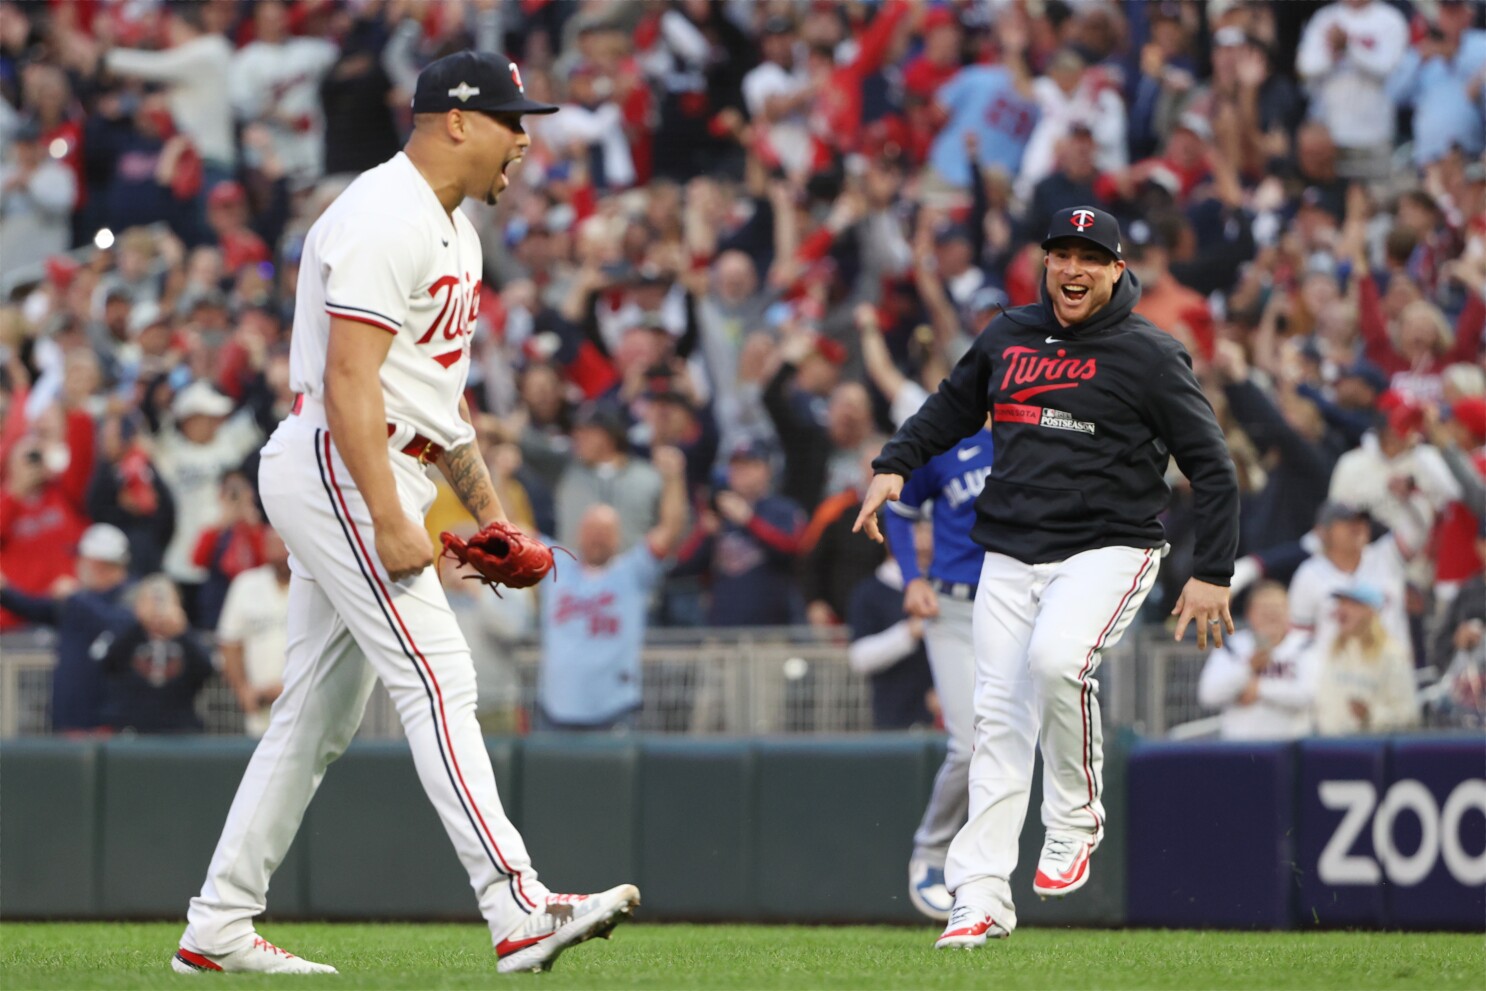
[[697, 681]]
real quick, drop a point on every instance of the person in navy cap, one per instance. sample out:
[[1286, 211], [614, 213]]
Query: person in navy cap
[[1088, 402]]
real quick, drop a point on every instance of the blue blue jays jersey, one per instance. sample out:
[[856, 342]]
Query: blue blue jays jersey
[[951, 481]]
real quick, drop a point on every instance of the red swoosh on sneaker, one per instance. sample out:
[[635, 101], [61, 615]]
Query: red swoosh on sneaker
[[1074, 872], [195, 960], [506, 947], [980, 928]]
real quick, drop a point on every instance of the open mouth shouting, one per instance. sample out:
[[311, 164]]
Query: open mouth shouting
[[1073, 293]]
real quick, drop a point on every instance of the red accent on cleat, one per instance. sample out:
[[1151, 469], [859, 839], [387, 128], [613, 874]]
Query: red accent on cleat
[[1072, 876], [508, 946], [195, 960]]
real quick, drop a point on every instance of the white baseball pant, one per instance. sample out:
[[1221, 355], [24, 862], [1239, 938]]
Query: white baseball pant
[[1040, 630], [348, 624], [951, 648]]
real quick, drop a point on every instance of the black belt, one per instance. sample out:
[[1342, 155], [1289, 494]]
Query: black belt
[[955, 590]]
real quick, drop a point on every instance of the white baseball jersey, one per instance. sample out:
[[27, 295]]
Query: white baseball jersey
[[385, 254]]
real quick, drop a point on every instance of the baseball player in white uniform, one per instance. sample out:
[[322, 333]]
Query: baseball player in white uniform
[[388, 290], [1088, 403]]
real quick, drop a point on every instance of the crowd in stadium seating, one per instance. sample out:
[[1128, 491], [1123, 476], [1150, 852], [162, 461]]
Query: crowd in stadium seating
[[684, 260]]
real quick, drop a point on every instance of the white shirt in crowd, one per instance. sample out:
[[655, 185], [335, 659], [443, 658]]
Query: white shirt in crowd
[[1312, 608], [1384, 684], [256, 615], [193, 473], [36, 216], [285, 79], [1093, 104], [198, 75], [1361, 480], [789, 136], [1286, 688], [603, 126], [1349, 93]]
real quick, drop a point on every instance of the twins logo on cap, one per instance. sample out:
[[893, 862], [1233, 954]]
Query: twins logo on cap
[[516, 78], [1082, 219]]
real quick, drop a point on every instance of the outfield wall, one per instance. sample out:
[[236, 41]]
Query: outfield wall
[[815, 829]]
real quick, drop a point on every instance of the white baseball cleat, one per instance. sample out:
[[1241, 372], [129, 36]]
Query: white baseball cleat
[[258, 957], [1063, 867], [927, 892], [969, 927], [566, 920]]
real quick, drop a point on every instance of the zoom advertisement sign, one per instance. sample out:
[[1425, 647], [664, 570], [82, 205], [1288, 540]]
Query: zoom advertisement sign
[[1392, 833]]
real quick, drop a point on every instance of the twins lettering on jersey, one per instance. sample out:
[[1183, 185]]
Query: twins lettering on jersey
[[456, 317], [1038, 374], [599, 611], [454, 322]]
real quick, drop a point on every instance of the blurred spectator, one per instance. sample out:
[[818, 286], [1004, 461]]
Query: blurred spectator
[[1400, 481], [156, 666], [492, 625], [747, 542], [1072, 93], [86, 614], [141, 172], [37, 197], [1176, 309], [276, 83], [997, 103], [835, 559], [1288, 431], [1259, 678], [229, 548], [778, 93], [194, 66], [602, 471], [593, 616], [127, 492], [1069, 184], [1440, 79], [1365, 680], [1347, 558], [1459, 650], [822, 437], [356, 96], [887, 646], [202, 442], [698, 64], [252, 633], [41, 518], [1347, 52]]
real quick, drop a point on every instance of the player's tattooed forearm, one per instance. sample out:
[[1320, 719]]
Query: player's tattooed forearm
[[467, 475]]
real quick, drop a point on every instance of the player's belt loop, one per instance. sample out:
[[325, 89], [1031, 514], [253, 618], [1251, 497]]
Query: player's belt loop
[[963, 591]]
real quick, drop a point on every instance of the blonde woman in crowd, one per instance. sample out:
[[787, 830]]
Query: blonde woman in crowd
[[1366, 682]]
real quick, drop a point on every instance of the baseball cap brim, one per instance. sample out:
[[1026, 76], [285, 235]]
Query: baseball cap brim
[[522, 106]]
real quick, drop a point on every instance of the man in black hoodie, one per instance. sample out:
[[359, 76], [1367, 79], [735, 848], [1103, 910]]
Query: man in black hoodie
[[1088, 402]]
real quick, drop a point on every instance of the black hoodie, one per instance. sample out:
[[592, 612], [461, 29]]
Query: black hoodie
[[1084, 418]]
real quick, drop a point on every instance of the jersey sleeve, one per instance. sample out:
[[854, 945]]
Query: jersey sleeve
[[372, 270]]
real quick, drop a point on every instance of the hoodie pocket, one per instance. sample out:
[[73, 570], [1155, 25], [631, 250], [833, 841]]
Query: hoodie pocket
[[1036, 507]]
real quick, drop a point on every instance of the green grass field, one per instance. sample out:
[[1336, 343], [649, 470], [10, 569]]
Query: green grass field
[[126, 955]]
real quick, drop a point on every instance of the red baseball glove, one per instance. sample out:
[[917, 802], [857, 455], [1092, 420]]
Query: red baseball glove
[[502, 555]]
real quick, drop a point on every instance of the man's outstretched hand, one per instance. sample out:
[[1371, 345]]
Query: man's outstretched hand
[[1207, 606], [884, 488]]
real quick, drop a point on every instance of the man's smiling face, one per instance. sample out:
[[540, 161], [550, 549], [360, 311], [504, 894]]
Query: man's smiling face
[[1080, 278]]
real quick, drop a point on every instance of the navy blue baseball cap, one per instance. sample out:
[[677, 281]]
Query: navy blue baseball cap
[[1084, 223], [485, 81]]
